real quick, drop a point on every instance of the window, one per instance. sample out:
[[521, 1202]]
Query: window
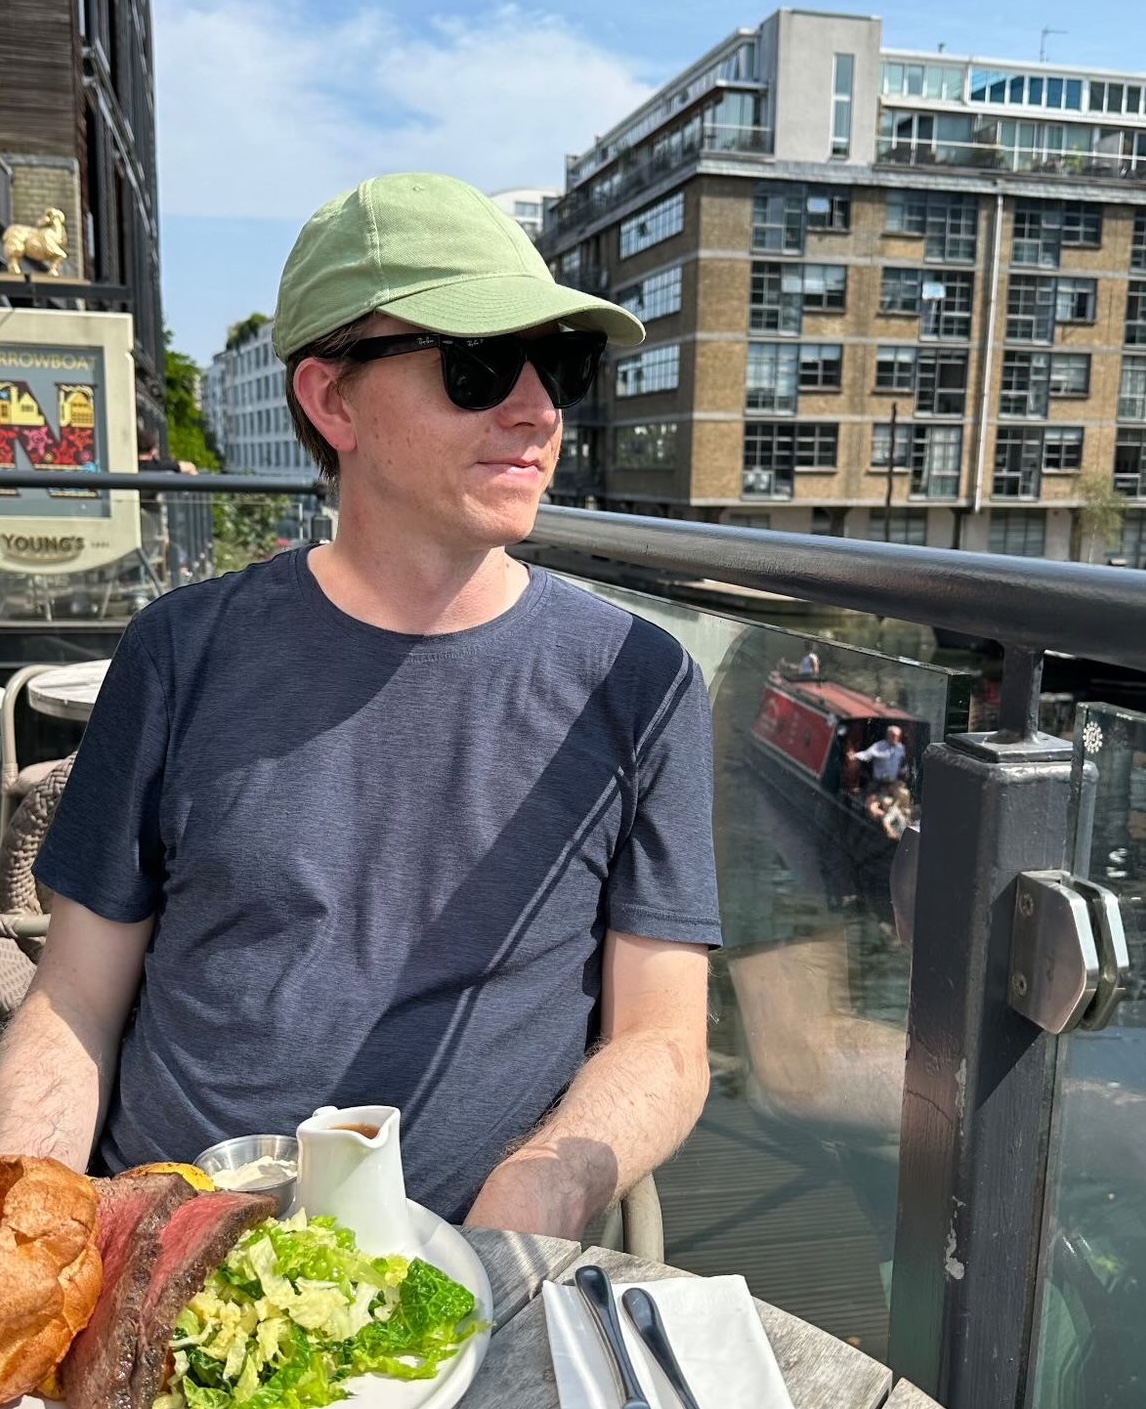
[[941, 382], [905, 212], [1018, 463], [933, 455], [825, 287], [570, 268], [1133, 538], [936, 459], [1075, 300], [1081, 225], [1025, 389], [780, 293], [952, 228], [774, 449], [1062, 449], [646, 447], [1031, 308], [904, 526], [899, 290], [842, 104], [1136, 313], [772, 377], [829, 209], [1038, 233], [1070, 374], [946, 305], [1020, 532], [1130, 462], [821, 366], [949, 223], [1132, 392], [652, 225], [778, 218], [656, 369], [1023, 454], [776, 298], [654, 297], [895, 369], [1138, 242]]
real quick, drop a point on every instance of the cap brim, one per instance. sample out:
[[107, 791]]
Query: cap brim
[[507, 303]]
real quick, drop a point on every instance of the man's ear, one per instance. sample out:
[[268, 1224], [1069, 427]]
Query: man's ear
[[316, 386]]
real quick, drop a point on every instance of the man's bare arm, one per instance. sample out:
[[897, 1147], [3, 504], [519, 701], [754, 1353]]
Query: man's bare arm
[[630, 1106], [58, 1055]]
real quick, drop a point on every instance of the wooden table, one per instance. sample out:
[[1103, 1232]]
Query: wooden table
[[70, 691], [821, 1372]]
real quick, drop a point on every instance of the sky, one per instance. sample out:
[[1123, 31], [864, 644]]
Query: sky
[[267, 108]]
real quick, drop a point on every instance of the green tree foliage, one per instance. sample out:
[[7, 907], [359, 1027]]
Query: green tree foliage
[[1101, 513], [246, 526], [242, 332]]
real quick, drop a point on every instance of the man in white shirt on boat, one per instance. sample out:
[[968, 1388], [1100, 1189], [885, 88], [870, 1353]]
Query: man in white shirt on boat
[[887, 756]]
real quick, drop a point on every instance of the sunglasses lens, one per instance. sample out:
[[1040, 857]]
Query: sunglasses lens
[[481, 372], [566, 364]]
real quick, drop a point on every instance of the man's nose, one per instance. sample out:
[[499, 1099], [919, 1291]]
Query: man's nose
[[529, 401]]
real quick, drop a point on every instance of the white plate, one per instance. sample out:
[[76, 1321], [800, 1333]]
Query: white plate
[[442, 1245]]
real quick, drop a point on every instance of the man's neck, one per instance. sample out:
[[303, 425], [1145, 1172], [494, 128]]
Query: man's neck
[[419, 593]]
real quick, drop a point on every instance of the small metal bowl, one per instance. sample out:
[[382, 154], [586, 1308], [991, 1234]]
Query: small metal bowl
[[245, 1149]]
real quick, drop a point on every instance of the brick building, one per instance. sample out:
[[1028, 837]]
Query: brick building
[[824, 236], [77, 132]]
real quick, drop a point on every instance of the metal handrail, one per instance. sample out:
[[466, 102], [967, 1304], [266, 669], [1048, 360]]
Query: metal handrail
[[1031, 604], [171, 483]]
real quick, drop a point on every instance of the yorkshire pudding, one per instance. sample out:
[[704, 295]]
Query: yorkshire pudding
[[50, 1268]]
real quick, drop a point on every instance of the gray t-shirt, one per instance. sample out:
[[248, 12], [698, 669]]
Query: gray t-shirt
[[382, 865]]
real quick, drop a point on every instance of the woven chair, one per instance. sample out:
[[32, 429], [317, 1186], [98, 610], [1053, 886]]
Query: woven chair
[[24, 905], [17, 782]]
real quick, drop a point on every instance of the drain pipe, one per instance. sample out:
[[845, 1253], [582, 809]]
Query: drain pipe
[[988, 357]]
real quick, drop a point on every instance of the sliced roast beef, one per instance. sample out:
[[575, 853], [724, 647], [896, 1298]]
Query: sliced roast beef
[[96, 1373], [196, 1239]]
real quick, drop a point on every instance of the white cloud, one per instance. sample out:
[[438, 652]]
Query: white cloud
[[268, 109]]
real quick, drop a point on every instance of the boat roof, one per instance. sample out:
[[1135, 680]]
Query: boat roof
[[841, 700]]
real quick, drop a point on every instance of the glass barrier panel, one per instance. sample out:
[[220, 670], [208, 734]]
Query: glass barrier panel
[[1090, 1351], [790, 1177]]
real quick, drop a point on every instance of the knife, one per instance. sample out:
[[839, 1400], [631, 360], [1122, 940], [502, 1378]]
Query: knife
[[646, 1317], [594, 1285]]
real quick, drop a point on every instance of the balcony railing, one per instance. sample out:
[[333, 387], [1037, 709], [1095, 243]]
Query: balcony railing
[[990, 156], [641, 169]]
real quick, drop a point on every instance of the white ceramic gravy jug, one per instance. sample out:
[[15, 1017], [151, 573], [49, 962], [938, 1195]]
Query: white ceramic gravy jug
[[350, 1168]]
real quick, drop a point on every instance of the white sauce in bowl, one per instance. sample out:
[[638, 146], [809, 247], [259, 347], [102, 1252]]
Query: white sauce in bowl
[[257, 1175]]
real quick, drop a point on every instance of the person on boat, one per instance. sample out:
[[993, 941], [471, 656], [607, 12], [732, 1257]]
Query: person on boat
[[397, 819], [887, 757], [810, 664]]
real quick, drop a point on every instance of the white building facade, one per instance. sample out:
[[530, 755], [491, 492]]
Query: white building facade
[[244, 406]]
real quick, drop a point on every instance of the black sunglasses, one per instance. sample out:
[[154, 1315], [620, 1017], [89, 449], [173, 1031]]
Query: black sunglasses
[[479, 373]]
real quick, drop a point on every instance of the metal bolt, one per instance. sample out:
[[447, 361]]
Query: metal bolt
[[1019, 984], [1026, 905]]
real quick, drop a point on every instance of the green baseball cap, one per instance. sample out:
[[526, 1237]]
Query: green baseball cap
[[434, 252]]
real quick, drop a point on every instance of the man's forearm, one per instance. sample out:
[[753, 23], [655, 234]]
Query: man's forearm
[[630, 1106], [49, 1086]]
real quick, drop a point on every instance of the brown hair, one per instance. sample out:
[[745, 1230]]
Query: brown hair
[[331, 347]]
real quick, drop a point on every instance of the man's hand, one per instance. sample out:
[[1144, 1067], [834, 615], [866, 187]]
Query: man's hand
[[629, 1107]]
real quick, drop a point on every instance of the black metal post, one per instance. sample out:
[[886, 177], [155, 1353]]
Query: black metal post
[[979, 1077], [890, 472]]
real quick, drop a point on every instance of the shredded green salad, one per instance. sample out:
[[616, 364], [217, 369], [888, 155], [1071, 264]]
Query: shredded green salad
[[296, 1309]]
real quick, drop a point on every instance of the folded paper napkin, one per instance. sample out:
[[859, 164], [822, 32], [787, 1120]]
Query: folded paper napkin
[[712, 1326]]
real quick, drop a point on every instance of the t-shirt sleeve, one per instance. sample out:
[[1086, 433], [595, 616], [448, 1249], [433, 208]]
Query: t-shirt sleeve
[[104, 848], [662, 884]]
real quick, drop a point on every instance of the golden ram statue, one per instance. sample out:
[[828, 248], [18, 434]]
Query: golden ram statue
[[46, 242]]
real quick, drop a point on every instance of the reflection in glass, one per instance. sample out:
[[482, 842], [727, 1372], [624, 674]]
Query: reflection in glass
[[790, 1177], [1090, 1351]]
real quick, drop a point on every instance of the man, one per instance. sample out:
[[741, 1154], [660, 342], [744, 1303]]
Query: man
[[810, 664], [147, 447], [396, 819], [887, 756]]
